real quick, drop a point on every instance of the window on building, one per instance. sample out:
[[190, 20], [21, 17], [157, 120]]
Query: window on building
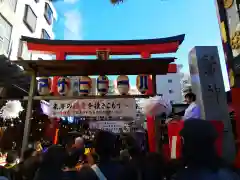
[[30, 18], [11, 3], [45, 35], [170, 91], [48, 13], [5, 34], [169, 80]]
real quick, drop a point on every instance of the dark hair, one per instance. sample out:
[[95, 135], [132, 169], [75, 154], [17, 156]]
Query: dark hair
[[54, 157], [85, 126], [87, 173], [95, 157], [71, 160], [28, 153], [191, 96], [104, 144], [132, 146], [199, 148], [11, 157], [155, 166]]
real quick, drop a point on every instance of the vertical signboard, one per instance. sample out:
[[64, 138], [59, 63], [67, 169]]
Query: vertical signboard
[[207, 83]]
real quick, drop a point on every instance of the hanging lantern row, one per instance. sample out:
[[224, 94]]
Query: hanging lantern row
[[85, 85]]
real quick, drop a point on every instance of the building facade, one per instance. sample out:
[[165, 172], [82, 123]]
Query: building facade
[[32, 18], [169, 86]]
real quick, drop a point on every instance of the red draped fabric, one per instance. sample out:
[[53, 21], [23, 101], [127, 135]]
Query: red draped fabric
[[175, 141]]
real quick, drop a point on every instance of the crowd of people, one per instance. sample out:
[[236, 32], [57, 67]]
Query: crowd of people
[[112, 158]]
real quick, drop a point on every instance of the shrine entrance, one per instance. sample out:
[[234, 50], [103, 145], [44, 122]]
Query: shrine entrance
[[102, 49]]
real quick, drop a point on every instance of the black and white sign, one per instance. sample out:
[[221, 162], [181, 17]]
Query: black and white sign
[[112, 126], [94, 107]]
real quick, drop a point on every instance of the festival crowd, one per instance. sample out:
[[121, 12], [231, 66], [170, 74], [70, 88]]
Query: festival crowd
[[113, 158]]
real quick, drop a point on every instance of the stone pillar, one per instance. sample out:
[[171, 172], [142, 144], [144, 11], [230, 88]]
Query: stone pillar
[[207, 84]]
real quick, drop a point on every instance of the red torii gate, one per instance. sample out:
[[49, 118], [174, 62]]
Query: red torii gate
[[145, 48]]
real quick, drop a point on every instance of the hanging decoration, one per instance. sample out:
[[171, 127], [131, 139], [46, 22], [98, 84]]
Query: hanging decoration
[[102, 85], [156, 106], [11, 110], [63, 86], [142, 83], [123, 84], [85, 85], [44, 86]]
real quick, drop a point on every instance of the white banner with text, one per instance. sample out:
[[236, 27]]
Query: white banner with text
[[118, 107]]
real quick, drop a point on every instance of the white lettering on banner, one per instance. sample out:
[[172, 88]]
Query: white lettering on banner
[[94, 107]]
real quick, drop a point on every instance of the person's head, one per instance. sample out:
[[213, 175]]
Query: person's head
[[199, 138], [104, 144], [54, 157], [155, 166], [85, 126], [71, 161], [132, 146], [11, 157], [92, 158], [124, 156], [190, 97], [28, 153], [87, 173], [79, 142]]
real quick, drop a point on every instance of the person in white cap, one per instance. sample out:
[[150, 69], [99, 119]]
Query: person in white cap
[[78, 147], [79, 142]]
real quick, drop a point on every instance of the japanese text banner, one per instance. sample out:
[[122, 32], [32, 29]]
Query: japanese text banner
[[94, 107]]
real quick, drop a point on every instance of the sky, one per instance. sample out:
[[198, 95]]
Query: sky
[[142, 19]]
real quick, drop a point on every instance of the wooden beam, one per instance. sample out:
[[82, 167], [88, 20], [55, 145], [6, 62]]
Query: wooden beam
[[87, 97], [154, 85], [96, 67]]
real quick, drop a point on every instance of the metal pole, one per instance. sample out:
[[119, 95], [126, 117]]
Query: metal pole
[[28, 113]]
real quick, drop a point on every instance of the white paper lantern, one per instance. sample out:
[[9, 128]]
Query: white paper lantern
[[85, 85], [102, 85], [63, 86], [44, 86], [123, 84], [142, 83]]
